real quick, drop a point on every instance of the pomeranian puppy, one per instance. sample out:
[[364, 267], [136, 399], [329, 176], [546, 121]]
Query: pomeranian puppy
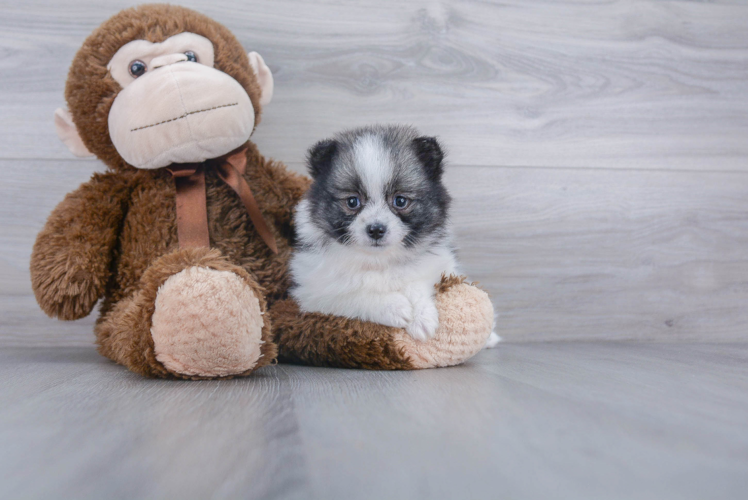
[[372, 232]]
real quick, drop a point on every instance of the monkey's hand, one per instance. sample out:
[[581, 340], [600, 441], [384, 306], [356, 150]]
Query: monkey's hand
[[71, 257]]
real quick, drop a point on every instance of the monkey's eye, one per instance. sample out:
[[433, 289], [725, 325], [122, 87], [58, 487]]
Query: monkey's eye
[[400, 202], [137, 68], [353, 202], [191, 56]]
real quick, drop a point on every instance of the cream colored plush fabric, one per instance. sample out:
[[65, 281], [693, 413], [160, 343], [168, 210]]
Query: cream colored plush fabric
[[180, 113], [68, 134], [467, 331], [207, 323]]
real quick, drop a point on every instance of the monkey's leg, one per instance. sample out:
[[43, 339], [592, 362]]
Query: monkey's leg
[[465, 323], [195, 315]]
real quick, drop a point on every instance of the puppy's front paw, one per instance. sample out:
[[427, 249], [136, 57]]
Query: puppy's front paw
[[397, 311], [425, 322]]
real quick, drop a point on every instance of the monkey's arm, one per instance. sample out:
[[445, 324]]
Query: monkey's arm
[[465, 323], [70, 262]]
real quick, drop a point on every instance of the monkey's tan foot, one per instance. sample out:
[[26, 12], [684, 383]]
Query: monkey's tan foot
[[465, 324], [207, 323], [195, 315]]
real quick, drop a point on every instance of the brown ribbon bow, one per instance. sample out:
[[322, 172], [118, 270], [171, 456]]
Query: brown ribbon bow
[[192, 210]]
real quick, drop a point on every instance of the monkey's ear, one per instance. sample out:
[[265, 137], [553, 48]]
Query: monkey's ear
[[320, 157], [68, 134], [430, 155], [264, 77]]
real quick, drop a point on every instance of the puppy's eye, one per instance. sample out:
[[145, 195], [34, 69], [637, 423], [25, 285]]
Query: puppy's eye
[[353, 202], [191, 56], [137, 68], [400, 202]]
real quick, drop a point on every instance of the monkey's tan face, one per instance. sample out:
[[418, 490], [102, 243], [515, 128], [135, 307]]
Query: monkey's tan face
[[174, 107]]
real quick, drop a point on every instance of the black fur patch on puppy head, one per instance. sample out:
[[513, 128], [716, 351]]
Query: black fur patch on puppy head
[[430, 155], [320, 157]]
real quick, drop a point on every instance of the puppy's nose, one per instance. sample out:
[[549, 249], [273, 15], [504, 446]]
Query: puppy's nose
[[376, 231]]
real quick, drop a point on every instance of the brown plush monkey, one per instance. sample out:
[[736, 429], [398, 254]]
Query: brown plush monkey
[[187, 236]]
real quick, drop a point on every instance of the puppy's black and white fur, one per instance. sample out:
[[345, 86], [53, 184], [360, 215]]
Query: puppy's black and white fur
[[372, 231]]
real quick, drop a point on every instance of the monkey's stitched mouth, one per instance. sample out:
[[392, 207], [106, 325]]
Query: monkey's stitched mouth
[[185, 116]]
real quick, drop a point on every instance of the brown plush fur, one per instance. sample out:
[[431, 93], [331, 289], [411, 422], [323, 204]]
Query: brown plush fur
[[322, 340], [448, 282], [72, 255], [102, 238], [115, 237]]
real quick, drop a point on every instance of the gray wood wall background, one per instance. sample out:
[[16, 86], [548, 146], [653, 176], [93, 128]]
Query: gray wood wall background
[[598, 150]]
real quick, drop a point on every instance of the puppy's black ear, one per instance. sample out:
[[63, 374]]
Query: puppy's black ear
[[320, 157], [430, 155]]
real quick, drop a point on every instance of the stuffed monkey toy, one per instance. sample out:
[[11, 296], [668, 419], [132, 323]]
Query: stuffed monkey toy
[[187, 235]]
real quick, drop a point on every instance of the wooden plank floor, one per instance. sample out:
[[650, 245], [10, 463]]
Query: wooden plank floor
[[538, 420]]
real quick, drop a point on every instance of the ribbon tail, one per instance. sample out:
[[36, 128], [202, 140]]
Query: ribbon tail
[[231, 176], [192, 213]]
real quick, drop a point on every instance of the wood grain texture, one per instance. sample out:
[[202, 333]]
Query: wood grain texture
[[567, 254], [600, 84], [578, 254], [544, 420]]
